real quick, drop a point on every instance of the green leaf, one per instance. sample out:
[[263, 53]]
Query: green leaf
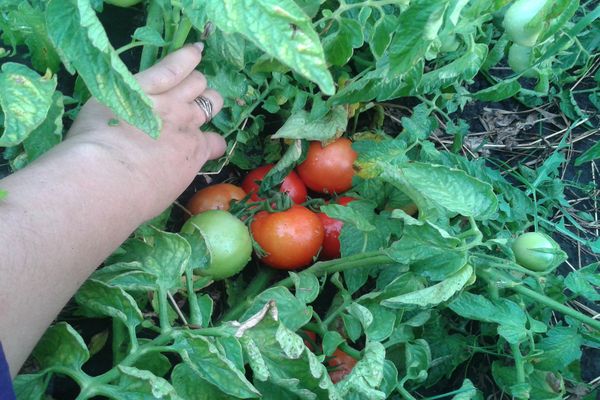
[[463, 68], [260, 21], [339, 45], [366, 376], [61, 346], [433, 295], [293, 313], [382, 34], [505, 378], [418, 360], [295, 152], [420, 24], [510, 317], [590, 154], [25, 98], [429, 250], [500, 91], [331, 341], [26, 25], [306, 285], [281, 361], [205, 359], [299, 126], [468, 391], [382, 324], [138, 384], [560, 347], [583, 282], [111, 301], [449, 188], [149, 36], [49, 133], [30, 386], [189, 385], [352, 214], [81, 41], [156, 363]]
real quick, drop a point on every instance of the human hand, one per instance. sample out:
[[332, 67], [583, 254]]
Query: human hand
[[167, 165]]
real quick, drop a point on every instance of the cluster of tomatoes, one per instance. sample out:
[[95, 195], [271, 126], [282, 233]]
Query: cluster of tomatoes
[[290, 239]]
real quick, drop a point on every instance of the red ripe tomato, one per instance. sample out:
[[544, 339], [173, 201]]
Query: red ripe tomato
[[340, 364], [332, 228], [291, 238], [214, 197], [311, 339], [328, 169], [292, 184]]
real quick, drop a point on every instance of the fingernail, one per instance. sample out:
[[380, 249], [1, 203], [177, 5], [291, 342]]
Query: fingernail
[[199, 46]]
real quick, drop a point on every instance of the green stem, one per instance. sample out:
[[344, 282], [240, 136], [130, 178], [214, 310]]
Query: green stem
[[403, 392], [153, 20], [181, 34], [497, 276], [118, 333], [519, 363], [341, 264], [128, 46], [163, 310], [195, 313]]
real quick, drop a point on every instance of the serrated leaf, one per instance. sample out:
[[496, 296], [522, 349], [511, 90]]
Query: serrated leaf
[[293, 313], [500, 91], [279, 358], [25, 98], [138, 384], [340, 44], [81, 41], [306, 285], [299, 126], [560, 347], [189, 385], [366, 376], [110, 301], [433, 295], [260, 21], [507, 314], [61, 346], [420, 23], [49, 133], [149, 36], [204, 358], [449, 188]]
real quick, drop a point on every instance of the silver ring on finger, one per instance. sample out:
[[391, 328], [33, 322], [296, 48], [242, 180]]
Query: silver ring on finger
[[205, 105]]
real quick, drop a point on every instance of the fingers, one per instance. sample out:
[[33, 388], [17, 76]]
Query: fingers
[[201, 115], [215, 145], [171, 70], [191, 87]]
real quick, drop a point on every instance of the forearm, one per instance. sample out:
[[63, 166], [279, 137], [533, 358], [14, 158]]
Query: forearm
[[62, 217]]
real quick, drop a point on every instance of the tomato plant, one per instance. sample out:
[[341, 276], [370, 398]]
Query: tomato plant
[[522, 21], [214, 197], [340, 365], [520, 60], [537, 251], [292, 185], [291, 239], [227, 240], [332, 228], [328, 169]]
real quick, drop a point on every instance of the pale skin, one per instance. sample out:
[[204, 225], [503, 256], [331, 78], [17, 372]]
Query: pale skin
[[70, 209]]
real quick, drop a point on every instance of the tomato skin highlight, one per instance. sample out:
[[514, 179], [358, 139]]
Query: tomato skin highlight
[[214, 197], [341, 364], [328, 169], [536, 251], [227, 239], [291, 238], [332, 228], [517, 21], [292, 184]]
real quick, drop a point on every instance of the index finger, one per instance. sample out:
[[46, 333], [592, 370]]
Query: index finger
[[171, 70]]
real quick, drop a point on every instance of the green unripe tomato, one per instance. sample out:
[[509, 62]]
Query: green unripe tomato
[[520, 59], [227, 240], [537, 251], [518, 23], [123, 3]]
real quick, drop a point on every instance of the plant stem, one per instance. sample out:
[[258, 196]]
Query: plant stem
[[496, 276], [519, 364], [368, 259], [154, 20], [118, 332], [163, 310], [195, 313], [181, 34]]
